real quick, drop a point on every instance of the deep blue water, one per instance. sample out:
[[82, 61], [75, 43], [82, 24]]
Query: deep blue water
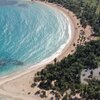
[[29, 33]]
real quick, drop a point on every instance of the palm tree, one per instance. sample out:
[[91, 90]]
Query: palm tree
[[55, 61]]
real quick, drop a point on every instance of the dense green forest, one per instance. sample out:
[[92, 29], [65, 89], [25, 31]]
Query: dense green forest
[[65, 74]]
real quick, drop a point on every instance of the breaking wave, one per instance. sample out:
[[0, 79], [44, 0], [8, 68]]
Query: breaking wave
[[30, 33]]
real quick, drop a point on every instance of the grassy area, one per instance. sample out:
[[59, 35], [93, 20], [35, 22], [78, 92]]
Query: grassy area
[[93, 3], [98, 38]]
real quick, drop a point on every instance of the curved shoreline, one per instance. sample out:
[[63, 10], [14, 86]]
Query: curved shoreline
[[63, 46], [57, 53], [67, 49]]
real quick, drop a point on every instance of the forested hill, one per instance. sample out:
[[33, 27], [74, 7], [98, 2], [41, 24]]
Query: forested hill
[[88, 11]]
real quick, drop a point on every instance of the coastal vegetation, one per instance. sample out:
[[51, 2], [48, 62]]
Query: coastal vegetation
[[63, 78], [87, 11], [64, 75]]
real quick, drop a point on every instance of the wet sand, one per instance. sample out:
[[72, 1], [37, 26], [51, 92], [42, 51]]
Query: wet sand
[[17, 86]]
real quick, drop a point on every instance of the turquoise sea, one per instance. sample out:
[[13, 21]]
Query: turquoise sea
[[29, 33]]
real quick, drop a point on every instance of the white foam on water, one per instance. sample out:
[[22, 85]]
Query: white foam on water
[[56, 54], [63, 21]]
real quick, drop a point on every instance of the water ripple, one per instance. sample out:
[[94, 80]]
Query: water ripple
[[29, 35]]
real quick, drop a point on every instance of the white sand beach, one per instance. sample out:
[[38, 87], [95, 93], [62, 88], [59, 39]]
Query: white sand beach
[[17, 86]]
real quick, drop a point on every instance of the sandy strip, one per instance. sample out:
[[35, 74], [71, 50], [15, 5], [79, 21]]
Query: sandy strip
[[18, 85]]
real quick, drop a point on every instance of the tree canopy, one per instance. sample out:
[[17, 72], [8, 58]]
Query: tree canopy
[[65, 74], [85, 11]]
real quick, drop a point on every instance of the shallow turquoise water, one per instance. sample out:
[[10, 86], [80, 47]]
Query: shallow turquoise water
[[29, 33]]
